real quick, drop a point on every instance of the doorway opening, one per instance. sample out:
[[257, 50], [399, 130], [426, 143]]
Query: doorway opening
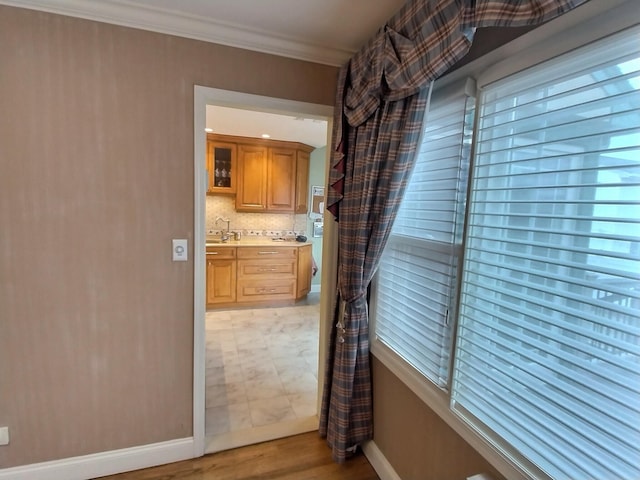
[[261, 378], [222, 413]]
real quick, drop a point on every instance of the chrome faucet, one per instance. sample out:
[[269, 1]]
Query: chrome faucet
[[224, 236]]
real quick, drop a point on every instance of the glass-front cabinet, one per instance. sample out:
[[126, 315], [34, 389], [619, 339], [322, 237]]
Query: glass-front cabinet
[[221, 165], [264, 176]]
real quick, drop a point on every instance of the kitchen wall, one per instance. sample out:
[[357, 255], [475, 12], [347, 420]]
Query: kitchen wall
[[264, 224], [317, 177], [96, 175]]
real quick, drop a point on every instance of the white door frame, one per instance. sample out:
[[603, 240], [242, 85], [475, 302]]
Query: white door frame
[[204, 96]]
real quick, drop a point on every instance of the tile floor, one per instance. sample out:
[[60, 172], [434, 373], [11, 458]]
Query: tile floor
[[261, 366]]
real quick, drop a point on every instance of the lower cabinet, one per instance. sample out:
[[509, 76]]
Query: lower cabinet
[[305, 267], [257, 275], [266, 273], [221, 275]]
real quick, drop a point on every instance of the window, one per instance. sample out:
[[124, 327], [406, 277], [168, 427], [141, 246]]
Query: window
[[546, 362], [419, 266]]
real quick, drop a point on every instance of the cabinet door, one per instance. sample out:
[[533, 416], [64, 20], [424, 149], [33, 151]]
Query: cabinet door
[[221, 281], [251, 187], [281, 180], [209, 166], [221, 163], [302, 182], [305, 264]]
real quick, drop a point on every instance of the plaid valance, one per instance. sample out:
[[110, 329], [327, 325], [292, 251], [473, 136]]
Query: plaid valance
[[416, 46]]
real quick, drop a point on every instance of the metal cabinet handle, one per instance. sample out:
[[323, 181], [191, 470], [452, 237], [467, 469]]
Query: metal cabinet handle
[[266, 269], [268, 253], [212, 253]]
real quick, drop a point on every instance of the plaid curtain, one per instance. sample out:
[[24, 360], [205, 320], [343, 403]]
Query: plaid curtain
[[380, 103]]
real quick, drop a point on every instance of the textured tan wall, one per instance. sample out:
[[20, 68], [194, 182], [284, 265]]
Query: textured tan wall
[[96, 177], [418, 444]]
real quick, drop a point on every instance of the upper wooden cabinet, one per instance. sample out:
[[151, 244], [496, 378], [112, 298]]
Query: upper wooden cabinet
[[252, 173], [281, 180], [271, 176], [302, 181], [222, 166]]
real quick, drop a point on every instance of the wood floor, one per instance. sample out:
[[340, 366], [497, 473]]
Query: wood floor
[[301, 457]]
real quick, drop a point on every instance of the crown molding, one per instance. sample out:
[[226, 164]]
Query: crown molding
[[128, 14]]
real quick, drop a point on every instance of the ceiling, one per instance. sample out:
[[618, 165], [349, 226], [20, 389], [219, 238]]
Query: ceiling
[[248, 123], [321, 31]]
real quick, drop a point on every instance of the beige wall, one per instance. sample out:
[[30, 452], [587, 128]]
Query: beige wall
[[96, 177], [416, 442]]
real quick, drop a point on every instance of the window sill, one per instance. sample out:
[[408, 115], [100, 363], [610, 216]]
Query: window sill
[[438, 401]]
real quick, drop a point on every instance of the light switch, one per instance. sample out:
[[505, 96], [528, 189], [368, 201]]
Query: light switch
[[4, 435], [180, 253]]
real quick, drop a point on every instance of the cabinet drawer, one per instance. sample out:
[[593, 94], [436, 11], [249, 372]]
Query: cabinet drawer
[[214, 253], [257, 290], [273, 267], [267, 252]]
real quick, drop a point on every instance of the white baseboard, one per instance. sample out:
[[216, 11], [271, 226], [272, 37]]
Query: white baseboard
[[379, 462], [104, 463]]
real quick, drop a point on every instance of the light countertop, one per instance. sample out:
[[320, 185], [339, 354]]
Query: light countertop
[[254, 242]]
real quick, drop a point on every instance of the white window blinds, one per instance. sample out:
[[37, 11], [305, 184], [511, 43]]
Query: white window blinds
[[417, 274], [548, 347]]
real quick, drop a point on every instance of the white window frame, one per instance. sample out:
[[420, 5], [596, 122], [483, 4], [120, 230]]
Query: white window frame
[[439, 250], [588, 23]]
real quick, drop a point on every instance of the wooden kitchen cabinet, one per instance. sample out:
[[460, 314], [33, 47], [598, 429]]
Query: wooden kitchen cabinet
[[251, 195], [221, 275], [302, 181], [266, 274], [281, 179], [267, 175], [257, 275], [221, 166], [305, 270]]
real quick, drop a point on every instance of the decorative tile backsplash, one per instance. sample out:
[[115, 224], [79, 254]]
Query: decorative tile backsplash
[[251, 224]]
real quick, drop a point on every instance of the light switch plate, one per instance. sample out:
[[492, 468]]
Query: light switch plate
[[4, 435], [180, 250]]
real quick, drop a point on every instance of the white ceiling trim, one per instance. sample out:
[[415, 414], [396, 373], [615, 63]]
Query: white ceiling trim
[[183, 25]]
